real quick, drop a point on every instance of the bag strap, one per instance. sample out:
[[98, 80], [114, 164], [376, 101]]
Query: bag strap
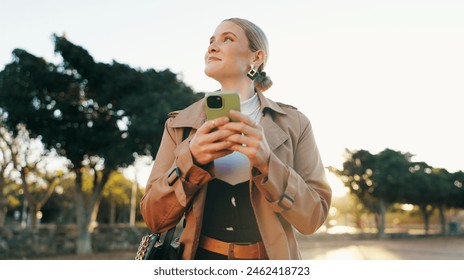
[[185, 135], [170, 233], [167, 242]]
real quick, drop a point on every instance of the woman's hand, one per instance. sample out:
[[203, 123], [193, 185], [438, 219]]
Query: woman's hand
[[209, 143], [249, 140]]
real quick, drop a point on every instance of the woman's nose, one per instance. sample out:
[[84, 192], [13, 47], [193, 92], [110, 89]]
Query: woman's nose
[[213, 47]]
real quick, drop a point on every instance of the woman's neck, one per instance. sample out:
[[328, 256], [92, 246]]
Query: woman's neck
[[245, 89]]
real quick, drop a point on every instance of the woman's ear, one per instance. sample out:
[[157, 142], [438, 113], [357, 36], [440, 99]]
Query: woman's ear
[[258, 57]]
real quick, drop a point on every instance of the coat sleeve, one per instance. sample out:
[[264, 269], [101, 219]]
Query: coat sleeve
[[173, 181], [300, 194]]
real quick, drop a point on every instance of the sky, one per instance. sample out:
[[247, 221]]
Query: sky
[[368, 74]]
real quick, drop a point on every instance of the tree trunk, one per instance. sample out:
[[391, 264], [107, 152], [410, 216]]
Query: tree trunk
[[441, 210], [426, 224], [3, 210], [381, 222], [24, 214], [84, 242], [3, 201], [87, 211], [32, 215], [35, 204], [94, 214], [425, 216], [133, 201], [112, 212], [84, 238], [34, 209]]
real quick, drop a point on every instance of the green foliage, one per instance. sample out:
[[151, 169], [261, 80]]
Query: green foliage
[[97, 115], [86, 109], [391, 176], [357, 176], [60, 208], [456, 193], [118, 188], [13, 190]]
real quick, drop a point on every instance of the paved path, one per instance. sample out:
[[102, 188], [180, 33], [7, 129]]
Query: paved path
[[336, 248], [432, 248]]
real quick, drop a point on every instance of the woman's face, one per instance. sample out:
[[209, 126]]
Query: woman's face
[[228, 55]]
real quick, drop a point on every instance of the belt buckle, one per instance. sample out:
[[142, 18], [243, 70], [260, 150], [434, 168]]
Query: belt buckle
[[231, 255]]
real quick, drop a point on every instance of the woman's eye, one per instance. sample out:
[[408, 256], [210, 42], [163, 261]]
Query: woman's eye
[[227, 39]]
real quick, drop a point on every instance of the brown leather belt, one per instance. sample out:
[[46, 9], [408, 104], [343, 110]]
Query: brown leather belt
[[250, 251]]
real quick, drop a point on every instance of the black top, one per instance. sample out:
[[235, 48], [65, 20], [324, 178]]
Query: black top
[[228, 216]]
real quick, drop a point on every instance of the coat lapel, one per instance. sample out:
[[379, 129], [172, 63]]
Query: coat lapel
[[275, 136], [194, 116]]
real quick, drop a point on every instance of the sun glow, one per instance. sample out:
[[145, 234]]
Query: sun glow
[[338, 189]]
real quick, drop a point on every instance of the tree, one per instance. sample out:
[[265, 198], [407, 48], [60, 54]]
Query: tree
[[26, 161], [60, 207], [97, 115], [357, 174], [8, 188], [350, 210], [456, 195], [431, 189], [422, 190], [442, 179], [375, 179], [30, 161], [117, 192], [390, 176]]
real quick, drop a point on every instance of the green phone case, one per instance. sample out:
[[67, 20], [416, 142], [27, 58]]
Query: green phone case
[[230, 100]]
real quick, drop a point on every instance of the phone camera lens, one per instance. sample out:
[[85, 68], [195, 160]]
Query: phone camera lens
[[214, 101]]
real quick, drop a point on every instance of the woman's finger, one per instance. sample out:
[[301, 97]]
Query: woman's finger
[[212, 125], [242, 140], [242, 118]]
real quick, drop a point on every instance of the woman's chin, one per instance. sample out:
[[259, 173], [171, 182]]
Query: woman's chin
[[211, 73]]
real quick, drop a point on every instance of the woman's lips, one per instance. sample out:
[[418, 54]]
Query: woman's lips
[[213, 58]]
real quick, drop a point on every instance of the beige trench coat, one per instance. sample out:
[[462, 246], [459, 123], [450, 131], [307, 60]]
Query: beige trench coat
[[295, 194]]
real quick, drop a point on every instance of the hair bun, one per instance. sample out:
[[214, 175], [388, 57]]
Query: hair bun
[[262, 81]]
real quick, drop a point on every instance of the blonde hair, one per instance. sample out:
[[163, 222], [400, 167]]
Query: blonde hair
[[257, 40]]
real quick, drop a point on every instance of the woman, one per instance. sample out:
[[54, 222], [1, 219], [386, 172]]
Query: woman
[[243, 186]]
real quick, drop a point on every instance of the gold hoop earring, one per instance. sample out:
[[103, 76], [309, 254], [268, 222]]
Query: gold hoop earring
[[252, 73]]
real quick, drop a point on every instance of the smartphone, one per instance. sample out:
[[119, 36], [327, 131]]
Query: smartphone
[[219, 104]]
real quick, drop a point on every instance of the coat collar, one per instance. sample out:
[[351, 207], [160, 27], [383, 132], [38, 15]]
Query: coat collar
[[194, 115]]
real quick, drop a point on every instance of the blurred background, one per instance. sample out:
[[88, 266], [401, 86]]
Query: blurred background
[[85, 89]]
